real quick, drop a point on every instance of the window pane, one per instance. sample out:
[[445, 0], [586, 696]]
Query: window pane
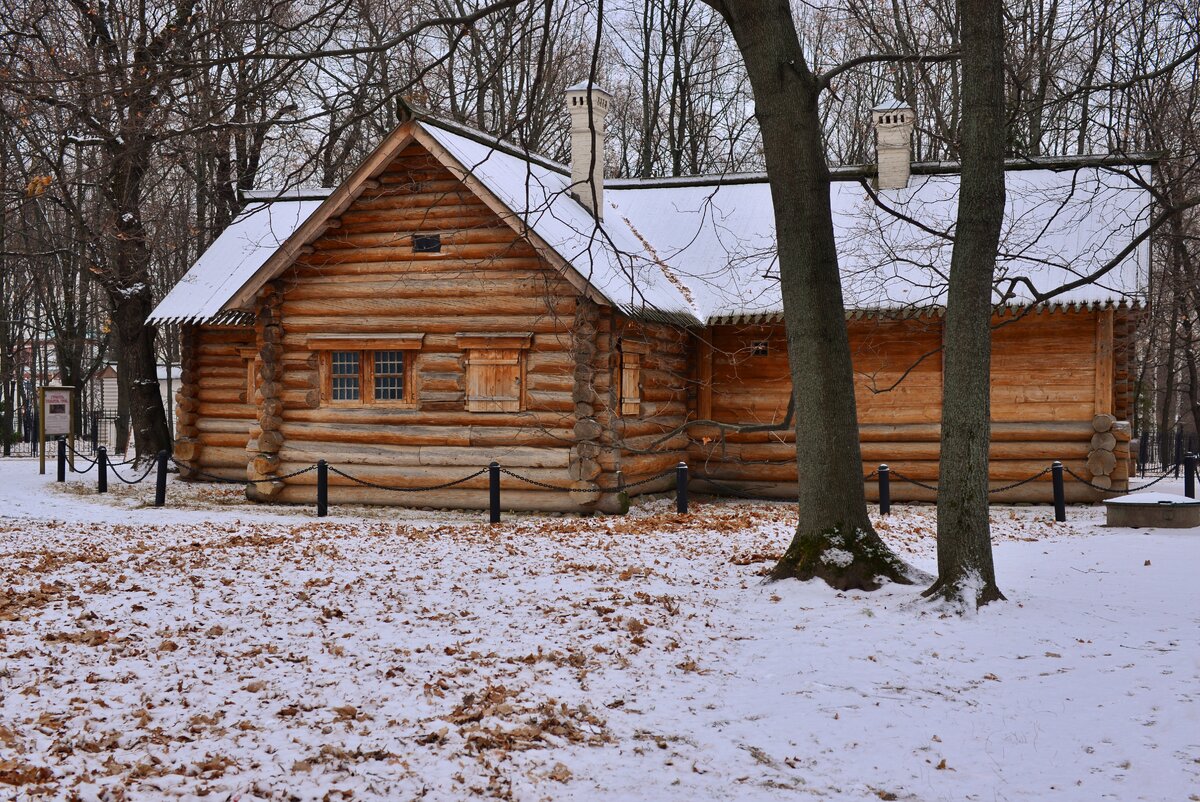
[[427, 243], [389, 375], [344, 375]]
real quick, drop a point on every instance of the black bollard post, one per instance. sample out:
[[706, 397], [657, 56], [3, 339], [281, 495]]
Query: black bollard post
[[494, 492], [681, 488], [62, 459], [322, 488], [1060, 493], [1143, 453], [885, 489], [1189, 475], [102, 470], [160, 479]]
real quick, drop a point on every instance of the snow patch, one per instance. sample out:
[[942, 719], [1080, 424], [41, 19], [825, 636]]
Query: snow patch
[[837, 557]]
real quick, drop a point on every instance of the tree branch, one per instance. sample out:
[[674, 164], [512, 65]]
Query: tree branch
[[824, 78]]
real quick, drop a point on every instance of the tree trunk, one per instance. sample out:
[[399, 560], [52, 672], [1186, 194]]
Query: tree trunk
[[964, 548], [834, 539], [135, 344]]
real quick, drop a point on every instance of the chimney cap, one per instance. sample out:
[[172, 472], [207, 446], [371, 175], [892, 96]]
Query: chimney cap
[[893, 105], [585, 85]]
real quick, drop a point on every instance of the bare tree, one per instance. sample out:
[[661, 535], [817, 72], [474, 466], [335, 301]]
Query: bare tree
[[965, 568]]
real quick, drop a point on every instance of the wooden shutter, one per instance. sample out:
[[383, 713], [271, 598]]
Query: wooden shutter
[[494, 380], [631, 383]]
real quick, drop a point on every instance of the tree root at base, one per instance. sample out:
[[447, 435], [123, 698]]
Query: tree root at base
[[845, 559], [959, 592]]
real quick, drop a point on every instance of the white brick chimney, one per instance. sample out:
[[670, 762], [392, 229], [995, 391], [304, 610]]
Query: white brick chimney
[[894, 121], [587, 145]]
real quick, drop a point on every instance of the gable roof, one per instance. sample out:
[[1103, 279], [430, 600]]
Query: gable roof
[[703, 249]]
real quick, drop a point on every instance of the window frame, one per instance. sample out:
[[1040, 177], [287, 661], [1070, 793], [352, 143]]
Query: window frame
[[366, 347], [427, 242]]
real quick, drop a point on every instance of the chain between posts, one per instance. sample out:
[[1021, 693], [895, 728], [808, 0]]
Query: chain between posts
[[75, 454], [1081, 480], [620, 489], [896, 474], [153, 464], [377, 486]]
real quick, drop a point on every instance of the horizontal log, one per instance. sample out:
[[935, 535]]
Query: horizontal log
[[875, 452], [417, 476], [549, 401], [923, 470], [498, 237], [213, 456], [403, 435], [492, 436], [227, 411], [1037, 492], [918, 432], [392, 268], [451, 324], [221, 472], [480, 253], [228, 425], [642, 465], [385, 311], [513, 283], [225, 439]]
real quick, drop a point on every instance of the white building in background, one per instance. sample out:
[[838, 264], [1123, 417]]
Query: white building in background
[[104, 396]]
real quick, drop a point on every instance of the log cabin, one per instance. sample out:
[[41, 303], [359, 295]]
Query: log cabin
[[458, 300]]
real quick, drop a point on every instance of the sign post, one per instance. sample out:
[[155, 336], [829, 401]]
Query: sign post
[[55, 419]]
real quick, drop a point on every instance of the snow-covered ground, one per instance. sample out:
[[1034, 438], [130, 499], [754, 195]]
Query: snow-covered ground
[[222, 650]]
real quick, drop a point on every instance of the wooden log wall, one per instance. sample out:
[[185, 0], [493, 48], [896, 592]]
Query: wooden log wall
[[213, 413], [363, 277], [1045, 398], [654, 439]]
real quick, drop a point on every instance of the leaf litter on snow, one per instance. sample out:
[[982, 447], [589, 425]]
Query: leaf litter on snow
[[237, 651]]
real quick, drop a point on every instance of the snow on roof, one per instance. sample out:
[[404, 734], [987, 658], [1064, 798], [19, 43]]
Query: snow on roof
[[231, 260], [611, 256], [719, 239], [296, 193], [703, 248], [584, 85]]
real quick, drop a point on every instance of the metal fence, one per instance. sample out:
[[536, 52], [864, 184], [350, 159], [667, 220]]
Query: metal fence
[[1160, 452], [96, 429]]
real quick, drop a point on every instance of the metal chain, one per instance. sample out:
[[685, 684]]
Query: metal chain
[[91, 462], [211, 477], [910, 480], [149, 468], [300, 472], [741, 493], [621, 489], [1081, 480], [1022, 482], [365, 483]]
